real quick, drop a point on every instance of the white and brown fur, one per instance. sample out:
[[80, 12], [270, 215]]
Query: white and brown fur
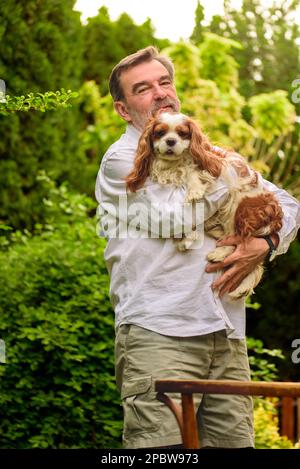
[[173, 150]]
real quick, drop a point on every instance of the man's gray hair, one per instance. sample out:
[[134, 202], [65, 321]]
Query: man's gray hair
[[141, 56]]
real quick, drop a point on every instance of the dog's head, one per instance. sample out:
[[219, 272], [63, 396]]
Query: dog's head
[[169, 136]]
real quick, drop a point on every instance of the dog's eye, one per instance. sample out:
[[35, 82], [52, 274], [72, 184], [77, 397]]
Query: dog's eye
[[159, 133], [183, 134]]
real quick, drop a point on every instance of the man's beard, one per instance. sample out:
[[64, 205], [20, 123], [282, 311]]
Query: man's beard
[[139, 119]]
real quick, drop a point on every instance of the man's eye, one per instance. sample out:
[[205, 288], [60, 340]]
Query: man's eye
[[142, 90], [165, 82]]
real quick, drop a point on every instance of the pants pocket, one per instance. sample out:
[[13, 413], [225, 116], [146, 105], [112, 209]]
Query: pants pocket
[[141, 407]]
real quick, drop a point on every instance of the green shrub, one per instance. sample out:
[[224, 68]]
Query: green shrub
[[57, 386], [263, 361], [267, 428], [264, 367]]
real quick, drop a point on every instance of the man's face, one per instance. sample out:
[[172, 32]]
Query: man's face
[[147, 88]]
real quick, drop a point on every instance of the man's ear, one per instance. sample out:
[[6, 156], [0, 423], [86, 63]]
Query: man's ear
[[121, 109]]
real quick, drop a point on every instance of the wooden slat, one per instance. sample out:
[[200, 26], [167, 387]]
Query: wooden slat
[[175, 408], [190, 433], [298, 420], [287, 417]]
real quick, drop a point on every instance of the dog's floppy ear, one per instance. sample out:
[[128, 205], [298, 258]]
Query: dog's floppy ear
[[201, 152], [272, 212], [143, 159], [256, 213]]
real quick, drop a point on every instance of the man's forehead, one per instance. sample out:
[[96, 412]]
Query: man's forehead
[[147, 71]]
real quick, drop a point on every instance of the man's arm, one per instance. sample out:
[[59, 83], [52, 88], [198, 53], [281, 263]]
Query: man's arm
[[247, 255], [153, 204]]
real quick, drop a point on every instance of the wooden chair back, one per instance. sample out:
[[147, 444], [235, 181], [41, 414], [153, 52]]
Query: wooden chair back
[[185, 414]]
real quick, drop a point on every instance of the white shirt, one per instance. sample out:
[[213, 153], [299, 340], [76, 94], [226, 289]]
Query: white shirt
[[152, 284]]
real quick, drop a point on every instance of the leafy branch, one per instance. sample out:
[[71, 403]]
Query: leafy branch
[[37, 101]]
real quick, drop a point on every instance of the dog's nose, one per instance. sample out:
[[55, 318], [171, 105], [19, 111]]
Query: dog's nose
[[171, 142]]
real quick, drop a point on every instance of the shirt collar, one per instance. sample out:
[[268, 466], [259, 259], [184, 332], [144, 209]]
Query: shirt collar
[[132, 132]]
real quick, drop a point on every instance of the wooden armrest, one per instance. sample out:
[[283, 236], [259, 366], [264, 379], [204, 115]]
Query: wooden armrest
[[254, 388]]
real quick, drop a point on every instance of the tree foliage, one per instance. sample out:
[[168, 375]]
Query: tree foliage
[[269, 58], [197, 34], [100, 128], [272, 114], [40, 51], [107, 42]]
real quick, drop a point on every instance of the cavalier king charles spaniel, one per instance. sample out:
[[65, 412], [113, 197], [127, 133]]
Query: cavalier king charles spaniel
[[173, 150]]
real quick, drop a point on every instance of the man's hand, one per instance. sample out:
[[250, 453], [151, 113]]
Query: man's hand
[[240, 263]]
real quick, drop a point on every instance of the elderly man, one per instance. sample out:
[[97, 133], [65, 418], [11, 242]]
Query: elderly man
[[169, 321]]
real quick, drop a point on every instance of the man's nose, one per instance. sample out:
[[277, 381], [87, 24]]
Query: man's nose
[[171, 142], [159, 92]]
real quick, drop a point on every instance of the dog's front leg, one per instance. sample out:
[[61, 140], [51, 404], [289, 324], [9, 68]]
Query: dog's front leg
[[187, 242], [196, 187], [195, 195]]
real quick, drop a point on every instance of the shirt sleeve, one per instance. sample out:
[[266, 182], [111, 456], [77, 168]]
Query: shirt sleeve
[[154, 210], [291, 215]]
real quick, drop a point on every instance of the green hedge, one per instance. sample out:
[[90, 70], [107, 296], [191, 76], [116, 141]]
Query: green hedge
[[57, 386]]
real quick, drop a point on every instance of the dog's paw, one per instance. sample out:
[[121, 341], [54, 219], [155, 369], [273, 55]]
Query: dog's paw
[[239, 293], [219, 254], [181, 246], [247, 286], [193, 196], [184, 244], [215, 256]]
